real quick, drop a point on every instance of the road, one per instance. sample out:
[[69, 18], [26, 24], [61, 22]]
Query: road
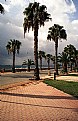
[[10, 78]]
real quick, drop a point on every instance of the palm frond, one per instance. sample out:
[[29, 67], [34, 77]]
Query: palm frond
[[1, 9], [35, 13]]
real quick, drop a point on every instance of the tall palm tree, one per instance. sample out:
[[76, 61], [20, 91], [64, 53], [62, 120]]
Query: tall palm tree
[[41, 54], [12, 47], [35, 17], [48, 58], [55, 33], [1, 9], [29, 62]]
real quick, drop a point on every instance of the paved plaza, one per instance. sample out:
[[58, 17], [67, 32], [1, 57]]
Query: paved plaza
[[35, 101]]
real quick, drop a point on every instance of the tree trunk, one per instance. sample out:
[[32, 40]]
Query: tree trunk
[[56, 52], [28, 67], [13, 67], [41, 63], [36, 70], [48, 64], [71, 66], [65, 67], [77, 64]]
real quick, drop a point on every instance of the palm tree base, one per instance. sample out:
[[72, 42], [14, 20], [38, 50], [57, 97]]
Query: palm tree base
[[13, 70], [36, 74]]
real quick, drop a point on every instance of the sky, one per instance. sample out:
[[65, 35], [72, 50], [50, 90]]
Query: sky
[[63, 12]]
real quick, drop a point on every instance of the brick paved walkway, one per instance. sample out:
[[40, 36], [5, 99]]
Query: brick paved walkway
[[37, 102]]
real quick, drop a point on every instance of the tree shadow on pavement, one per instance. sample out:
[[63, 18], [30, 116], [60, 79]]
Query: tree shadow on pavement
[[38, 96], [37, 105], [17, 76]]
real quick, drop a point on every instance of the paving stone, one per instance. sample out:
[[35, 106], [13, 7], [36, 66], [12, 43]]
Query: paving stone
[[37, 103]]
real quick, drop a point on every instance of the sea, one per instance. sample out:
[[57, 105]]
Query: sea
[[9, 67]]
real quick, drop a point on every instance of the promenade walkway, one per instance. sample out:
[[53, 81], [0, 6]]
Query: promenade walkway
[[35, 101]]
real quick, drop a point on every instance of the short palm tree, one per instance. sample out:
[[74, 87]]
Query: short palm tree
[[55, 33], [76, 60], [53, 60], [48, 58], [71, 52], [63, 58], [12, 47], [29, 62], [35, 17], [41, 54]]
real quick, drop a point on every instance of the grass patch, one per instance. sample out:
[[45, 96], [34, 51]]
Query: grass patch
[[67, 87]]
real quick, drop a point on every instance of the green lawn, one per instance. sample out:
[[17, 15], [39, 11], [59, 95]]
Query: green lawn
[[67, 87]]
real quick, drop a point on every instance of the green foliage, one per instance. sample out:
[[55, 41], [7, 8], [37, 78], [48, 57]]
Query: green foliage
[[28, 62], [13, 46], [41, 54], [70, 50], [35, 13], [63, 71], [35, 17], [48, 58], [56, 31], [65, 86]]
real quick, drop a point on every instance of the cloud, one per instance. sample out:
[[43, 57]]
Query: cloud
[[11, 27], [18, 2], [62, 13]]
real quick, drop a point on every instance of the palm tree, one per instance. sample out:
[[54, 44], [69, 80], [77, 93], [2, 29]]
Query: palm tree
[[76, 60], [41, 55], [63, 58], [1, 9], [53, 60], [56, 32], [71, 52], [12, 47], [48, 58], [29, 62], [35, 17]]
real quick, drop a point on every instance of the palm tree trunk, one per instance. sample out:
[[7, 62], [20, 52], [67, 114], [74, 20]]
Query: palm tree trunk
[[76, 65], [41, 63], [28, 68], [36, 70], [13, 67], [56, 51], [48, 64], [71, 66], [65, 67]]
